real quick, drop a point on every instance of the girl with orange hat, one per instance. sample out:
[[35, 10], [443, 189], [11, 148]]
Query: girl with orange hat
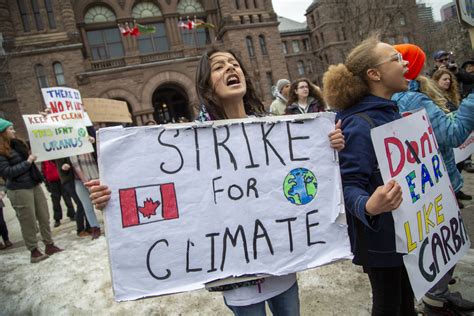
[[451, 131]]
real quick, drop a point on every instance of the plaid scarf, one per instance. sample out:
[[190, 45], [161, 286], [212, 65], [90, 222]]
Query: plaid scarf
[[85, 167]]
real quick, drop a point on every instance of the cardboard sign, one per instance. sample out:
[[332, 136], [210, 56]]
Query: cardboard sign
[[57, 135], [197, 202], [465, 150], [428, 225], [107, 110]]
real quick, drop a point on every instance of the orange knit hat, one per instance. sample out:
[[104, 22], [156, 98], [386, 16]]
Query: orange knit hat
[[415, 56]]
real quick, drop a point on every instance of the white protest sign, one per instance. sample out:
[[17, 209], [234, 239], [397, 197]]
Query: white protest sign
[[64, 101], [465, 150], [54, 136], [428, 225], [207, 201]]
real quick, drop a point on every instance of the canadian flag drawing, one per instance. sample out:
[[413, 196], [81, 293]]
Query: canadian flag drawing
[[147, 204]]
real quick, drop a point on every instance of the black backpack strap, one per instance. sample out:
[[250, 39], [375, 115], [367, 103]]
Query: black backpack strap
[[361, 242], [366, 118]]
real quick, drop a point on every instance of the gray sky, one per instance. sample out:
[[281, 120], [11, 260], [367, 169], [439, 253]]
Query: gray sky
[[295, 9]]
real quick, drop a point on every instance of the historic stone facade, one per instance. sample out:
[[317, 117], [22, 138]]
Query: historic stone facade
[[77, 43]]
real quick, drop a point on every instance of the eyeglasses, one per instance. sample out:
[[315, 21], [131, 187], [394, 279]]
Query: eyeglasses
[[442, 60], [397, 57]]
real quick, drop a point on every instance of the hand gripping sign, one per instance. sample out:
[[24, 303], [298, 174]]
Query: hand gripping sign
[[428, 225], [198, 202]]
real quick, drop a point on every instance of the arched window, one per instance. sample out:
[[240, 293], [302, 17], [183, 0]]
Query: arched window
[[41, 76], [403, 22], [189, 6], [310, 67], [155, 42], [49, 10], [24, 15], [296, 46], [263, 45], [146, 10], [99, 14], [250, 49], [284, 47], [104, 43], [300, 66], [37, 15], [59, 74]]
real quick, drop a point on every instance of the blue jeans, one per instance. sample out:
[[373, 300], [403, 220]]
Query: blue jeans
[[284, 304], [83, 194]]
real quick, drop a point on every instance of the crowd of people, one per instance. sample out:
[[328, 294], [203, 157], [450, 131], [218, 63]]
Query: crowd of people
[[64, 178], [375, 85]]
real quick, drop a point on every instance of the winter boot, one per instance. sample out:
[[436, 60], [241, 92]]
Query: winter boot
[[95, 232], [51, 249], [37, 256]]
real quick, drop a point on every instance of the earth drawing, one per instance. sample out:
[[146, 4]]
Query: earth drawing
[[300, 186]]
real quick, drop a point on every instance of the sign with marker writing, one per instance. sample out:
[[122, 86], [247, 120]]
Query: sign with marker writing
[[428, 225], [465, 150], [205, 201], [57, 136]]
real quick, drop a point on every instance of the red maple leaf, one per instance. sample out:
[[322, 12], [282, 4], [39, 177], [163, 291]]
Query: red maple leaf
[[149, 207]]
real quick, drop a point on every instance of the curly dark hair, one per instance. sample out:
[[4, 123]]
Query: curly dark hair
[[206, 92]]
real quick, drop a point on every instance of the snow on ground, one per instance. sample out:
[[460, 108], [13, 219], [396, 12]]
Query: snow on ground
[[77, 282]]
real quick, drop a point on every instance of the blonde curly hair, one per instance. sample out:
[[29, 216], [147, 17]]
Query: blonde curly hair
[[453, 92], [346, 84], [431, 89]]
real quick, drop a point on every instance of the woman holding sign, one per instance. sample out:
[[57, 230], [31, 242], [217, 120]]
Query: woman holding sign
[[226, 92], [18, 167], [451, 131], [361, 89]]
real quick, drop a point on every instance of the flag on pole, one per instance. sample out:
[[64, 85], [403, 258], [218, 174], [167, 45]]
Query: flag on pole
[[135, 31], [199, 24], [147, 204], [124, 30], [146, 29]]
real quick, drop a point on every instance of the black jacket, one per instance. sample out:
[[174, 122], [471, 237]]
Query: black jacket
[[372, 237], [18, 172]]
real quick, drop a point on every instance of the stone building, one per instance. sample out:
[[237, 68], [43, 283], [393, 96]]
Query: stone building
[[77, 43]]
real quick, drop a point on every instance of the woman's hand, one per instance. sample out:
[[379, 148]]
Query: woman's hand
[[386, 198], [91, 139], [45, 112], [99, 193], [65, 167], [336, 138], [31, 158]]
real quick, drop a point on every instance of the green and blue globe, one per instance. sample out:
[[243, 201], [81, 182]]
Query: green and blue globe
[[300, 186]]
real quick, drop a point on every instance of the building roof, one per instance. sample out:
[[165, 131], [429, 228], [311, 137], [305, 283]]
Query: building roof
[[287, 25]]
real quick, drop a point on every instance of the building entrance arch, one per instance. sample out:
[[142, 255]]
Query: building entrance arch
[[171, 104]]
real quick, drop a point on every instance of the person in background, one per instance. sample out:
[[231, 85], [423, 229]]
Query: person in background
[[84, 169], [53, 184], [466, 89], [225, 89], [281, 92], [3, 225], [450, 131], [67, 181], [23, 187], [448, 85], [361, 90], [305, 97], [445, 60]]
